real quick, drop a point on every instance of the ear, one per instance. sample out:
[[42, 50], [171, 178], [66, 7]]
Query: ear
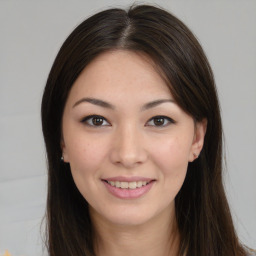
[[64, 151], [198, 140]]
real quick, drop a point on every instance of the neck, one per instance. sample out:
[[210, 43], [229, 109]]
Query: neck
[[159, 236]]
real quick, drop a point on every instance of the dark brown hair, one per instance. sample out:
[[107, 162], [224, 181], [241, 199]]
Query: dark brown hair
[[202, 211]]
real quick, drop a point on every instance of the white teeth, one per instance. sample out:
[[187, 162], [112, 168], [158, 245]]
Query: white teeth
[[117, 184], [139, 184], [130, 185], [124, 184]]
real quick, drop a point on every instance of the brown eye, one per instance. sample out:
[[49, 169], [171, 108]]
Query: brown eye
[[160, 121], [94, 120], [97, 121]]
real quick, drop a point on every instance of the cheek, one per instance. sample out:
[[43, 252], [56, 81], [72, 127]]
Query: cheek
[[172, 153], [86, 155], [171, 159], [86, 158]]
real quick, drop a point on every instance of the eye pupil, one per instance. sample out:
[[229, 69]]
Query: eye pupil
[[97, 121], [159, 121]]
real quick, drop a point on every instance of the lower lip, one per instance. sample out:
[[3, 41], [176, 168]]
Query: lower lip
[[125, 193]]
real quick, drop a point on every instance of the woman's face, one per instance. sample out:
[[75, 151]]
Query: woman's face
[[127, 141]]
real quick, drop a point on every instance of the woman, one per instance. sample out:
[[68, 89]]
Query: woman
[[133, 134]]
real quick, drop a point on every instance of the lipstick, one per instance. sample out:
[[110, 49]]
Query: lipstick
[[128, 187]]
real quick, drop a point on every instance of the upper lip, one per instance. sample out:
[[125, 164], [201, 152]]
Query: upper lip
[[128, 179]]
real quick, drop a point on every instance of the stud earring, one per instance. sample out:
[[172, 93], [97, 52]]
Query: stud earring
[[195, 155], [62, 159]]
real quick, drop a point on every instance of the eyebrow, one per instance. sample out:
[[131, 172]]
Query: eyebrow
[[96, 102], [105, 104], [155, 103]]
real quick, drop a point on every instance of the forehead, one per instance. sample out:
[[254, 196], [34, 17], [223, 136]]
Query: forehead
[[120, 74]]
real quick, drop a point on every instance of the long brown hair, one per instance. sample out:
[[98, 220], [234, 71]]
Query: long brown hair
[[202, 211]]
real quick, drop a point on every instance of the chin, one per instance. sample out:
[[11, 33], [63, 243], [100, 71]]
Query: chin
[[129, 220], [125, 215]]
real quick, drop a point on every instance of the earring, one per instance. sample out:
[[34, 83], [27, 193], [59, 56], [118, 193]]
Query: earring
[[195, 155], [62, 159]]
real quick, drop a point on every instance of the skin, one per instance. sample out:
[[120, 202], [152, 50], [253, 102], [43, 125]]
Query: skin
[[128, 142]]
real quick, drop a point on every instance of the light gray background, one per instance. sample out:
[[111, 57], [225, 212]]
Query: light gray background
[[31, 33]]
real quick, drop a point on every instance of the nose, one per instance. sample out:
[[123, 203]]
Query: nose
[[128, 149]]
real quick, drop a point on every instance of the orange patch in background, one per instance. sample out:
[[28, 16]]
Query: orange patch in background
[[7, 254]]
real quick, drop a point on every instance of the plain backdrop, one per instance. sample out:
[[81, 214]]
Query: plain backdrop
[[31, 33]]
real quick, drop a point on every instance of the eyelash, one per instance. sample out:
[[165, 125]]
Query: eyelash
[[88, 120], [167, 121]]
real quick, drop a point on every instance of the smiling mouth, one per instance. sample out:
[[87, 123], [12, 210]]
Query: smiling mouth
[[128, 185], [128, 188]]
